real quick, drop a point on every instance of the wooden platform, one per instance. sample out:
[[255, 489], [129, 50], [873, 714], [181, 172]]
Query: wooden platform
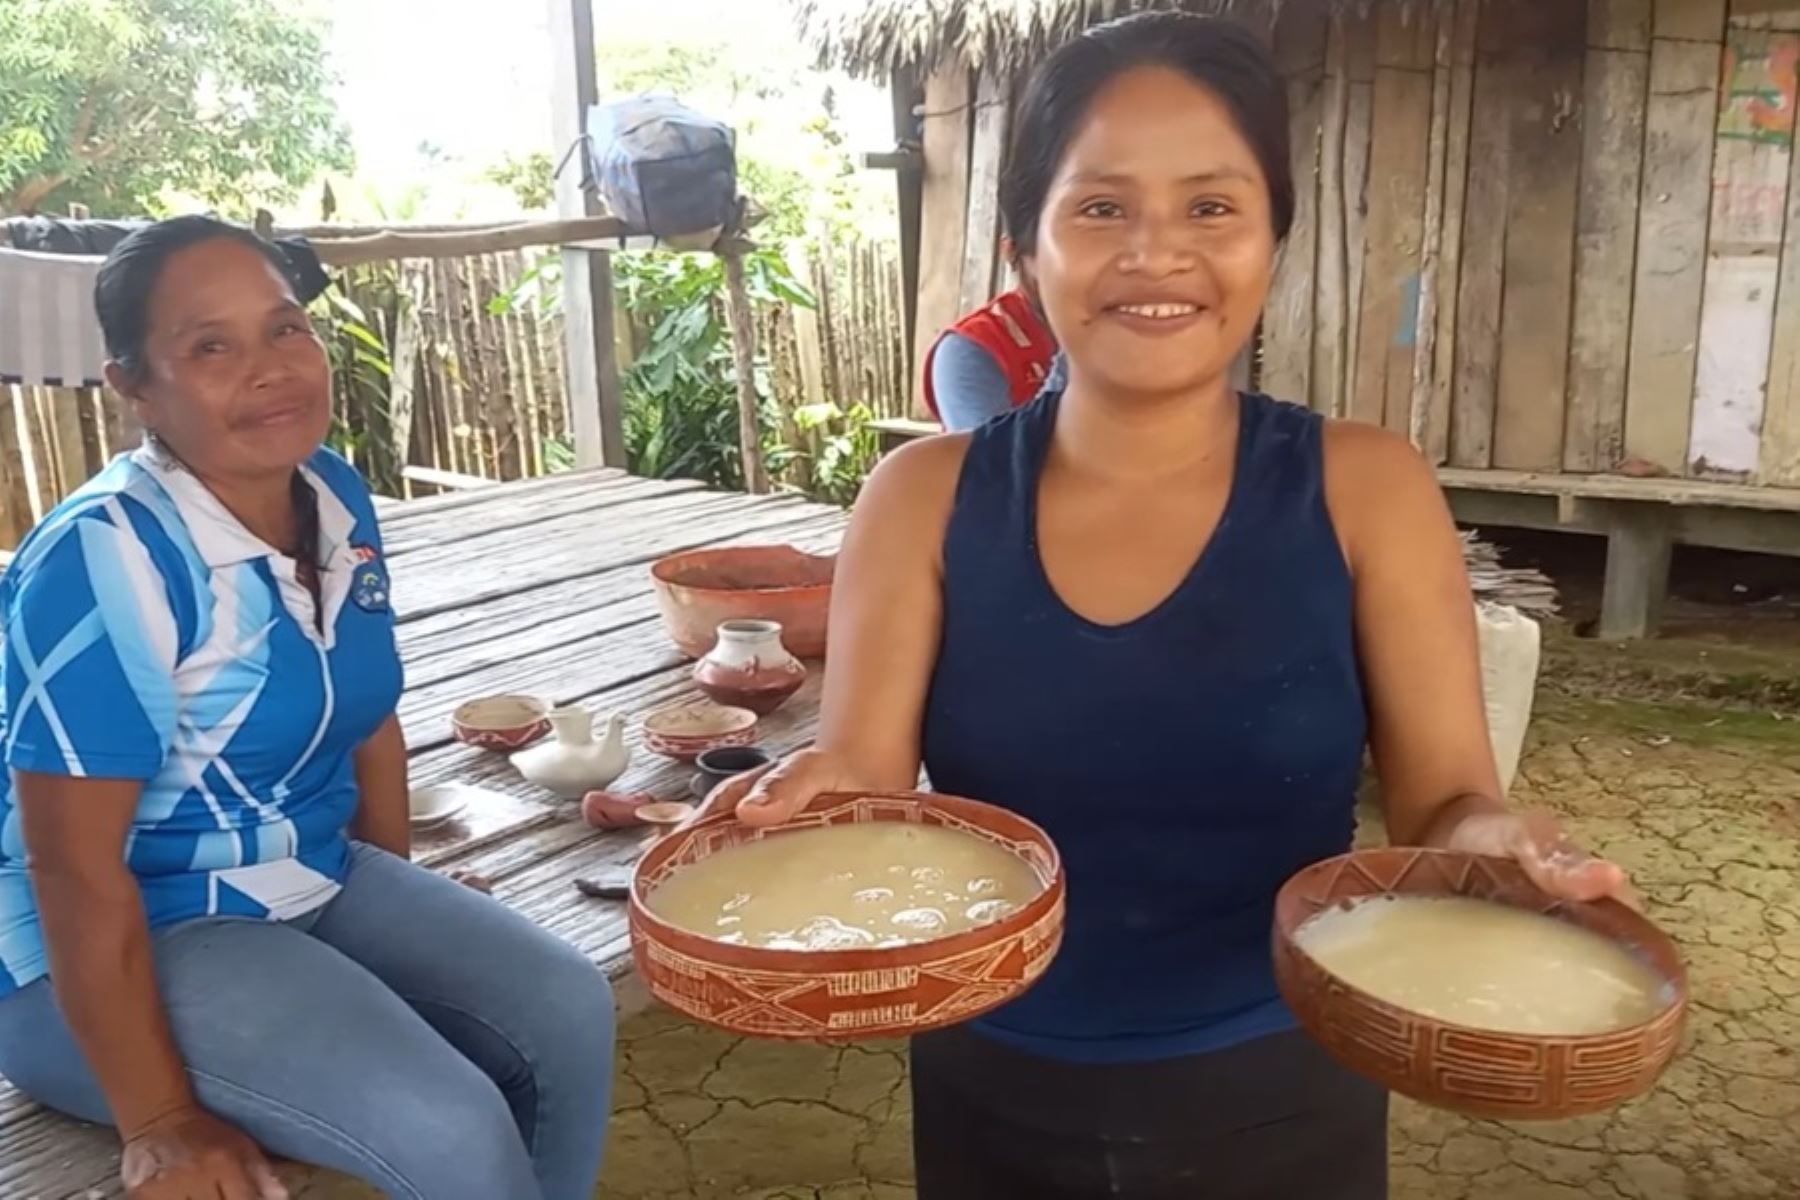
[[540, 587]]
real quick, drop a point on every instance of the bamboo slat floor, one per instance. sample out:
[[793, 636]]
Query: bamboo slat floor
[[539, 587]]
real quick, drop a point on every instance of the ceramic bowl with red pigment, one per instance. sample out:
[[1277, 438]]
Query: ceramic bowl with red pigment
[[846, 995], [684, 732], [501, 723], [701, 589], [1510, 1076]]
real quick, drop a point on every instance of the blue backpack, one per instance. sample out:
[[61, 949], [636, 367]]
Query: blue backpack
[[663, 168]]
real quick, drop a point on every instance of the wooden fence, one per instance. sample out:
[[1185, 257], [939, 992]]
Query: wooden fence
[[850, 349], [457, 365]]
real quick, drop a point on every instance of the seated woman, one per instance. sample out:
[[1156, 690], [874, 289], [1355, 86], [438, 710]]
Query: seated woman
[[993, 359], [1164, 620], [210, 935]]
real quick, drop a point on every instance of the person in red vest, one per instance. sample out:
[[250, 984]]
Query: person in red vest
[[995, 358]]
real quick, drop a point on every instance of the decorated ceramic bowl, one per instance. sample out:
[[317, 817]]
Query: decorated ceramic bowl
[[844, 995], [501, 723], [686, 731], [1513, 1076], [701, 589]]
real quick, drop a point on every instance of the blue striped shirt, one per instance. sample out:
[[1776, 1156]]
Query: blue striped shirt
[[149, 636]]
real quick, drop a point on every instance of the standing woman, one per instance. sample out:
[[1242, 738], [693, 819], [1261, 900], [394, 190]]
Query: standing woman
[[1164, 620], [210, 935]]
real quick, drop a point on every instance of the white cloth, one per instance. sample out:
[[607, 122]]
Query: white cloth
[[49, 334]]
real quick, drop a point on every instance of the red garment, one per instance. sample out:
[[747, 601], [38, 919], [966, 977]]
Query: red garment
[[1009, 328]]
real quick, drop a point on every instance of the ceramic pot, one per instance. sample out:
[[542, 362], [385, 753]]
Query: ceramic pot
[[572, 763], [847, 995], [698, 589], [750, 668], [1509, 1076]]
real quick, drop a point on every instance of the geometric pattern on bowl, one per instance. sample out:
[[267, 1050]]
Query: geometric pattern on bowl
[[686, 731], [1511, 1076], [501, 723], [868, 992]]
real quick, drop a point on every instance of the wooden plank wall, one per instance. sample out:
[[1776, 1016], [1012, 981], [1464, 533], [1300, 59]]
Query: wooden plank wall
[[1551, 237]]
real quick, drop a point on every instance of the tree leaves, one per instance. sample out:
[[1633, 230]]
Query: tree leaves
[[127, 105]]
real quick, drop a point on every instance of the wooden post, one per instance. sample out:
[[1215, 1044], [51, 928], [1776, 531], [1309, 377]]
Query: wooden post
[[944, 213], [1638, 550], [905, 91], [596, 400], [743, 353]]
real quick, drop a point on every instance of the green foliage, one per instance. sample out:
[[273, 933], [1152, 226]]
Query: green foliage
[[115, 104], [529, 177], [681, 409], [362, 373], [848, 448]]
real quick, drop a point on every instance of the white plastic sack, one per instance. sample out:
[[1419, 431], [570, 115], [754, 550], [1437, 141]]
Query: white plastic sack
[[1511, 645]]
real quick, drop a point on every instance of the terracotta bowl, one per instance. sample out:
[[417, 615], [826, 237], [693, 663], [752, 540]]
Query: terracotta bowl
[[686, 731], [1476, 1071], [702, 588], [845, 995], [501, 723]]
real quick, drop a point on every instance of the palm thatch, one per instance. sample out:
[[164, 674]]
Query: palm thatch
[[877, 38]]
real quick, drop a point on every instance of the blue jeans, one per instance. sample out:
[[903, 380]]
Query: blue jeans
[[412, 1033]]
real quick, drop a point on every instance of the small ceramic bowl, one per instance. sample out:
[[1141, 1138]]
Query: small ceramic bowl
[[686, 731], [716, 766], [844, 995], [430, 807], [1481, 1072], [501, 723], [665, 812]]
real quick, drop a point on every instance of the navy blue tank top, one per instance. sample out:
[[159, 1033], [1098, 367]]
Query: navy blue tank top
[[1186, 763]]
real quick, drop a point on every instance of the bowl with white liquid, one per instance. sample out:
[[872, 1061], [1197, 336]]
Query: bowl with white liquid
[[1453, 979], [867, 916]]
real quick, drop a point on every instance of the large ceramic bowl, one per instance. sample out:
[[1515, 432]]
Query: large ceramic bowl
[[1506, 1075], [702, 588], [843, 995]]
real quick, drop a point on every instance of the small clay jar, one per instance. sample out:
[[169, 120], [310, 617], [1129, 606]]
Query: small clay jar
[[750, 668]]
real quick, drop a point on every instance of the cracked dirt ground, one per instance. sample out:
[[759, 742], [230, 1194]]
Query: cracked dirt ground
[[1702, 807]]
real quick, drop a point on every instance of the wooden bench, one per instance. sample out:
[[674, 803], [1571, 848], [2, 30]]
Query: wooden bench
[[1641, 519]]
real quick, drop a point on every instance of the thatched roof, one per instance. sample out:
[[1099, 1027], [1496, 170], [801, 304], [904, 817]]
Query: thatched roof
[[873, 38]]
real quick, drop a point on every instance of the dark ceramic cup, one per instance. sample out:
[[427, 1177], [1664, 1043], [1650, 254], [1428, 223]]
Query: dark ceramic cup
[[716, 766]]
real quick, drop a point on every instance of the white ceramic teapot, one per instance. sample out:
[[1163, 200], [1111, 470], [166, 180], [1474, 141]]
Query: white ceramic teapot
[[570, 762]]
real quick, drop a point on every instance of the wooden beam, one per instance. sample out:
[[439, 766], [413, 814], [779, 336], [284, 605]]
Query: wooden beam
[[981, 235], [387, 245], [596, 398], [904, 92], [743, 352], [1638, 549], [906, 158], [945, 212]]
